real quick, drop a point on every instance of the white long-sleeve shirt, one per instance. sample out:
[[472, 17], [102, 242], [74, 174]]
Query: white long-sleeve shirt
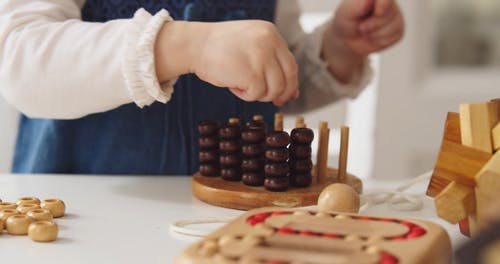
[[54, 65]]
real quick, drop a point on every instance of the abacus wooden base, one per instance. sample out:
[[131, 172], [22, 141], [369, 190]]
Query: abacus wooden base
[[237, 195]]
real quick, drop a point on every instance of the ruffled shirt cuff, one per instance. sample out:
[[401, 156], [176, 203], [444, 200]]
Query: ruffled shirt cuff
[[138, 65], [320, 75]]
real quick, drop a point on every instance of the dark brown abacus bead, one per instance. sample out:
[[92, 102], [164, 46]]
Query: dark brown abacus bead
[[254, 123], [207, 143], [279, 169], [300, 151], [253, 135], [208, 128], [301, 166], [230, 146], [208, 156], [230, 131], [277, 139], [276, 184], [253, 150], [230, 160], [252, 165], [253, 178], [300, 180], [277, 155], [210, 170], [231, 174], [302, 135]]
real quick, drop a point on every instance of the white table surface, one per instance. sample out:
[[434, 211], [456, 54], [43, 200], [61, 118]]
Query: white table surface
[[113, 219]]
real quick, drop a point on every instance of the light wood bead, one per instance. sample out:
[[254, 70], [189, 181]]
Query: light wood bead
[[7, 205], [40, 214], [6, 213], [28, 200], [18, 224], [43, 231], [339, 197], [55, 206], [24, 208]]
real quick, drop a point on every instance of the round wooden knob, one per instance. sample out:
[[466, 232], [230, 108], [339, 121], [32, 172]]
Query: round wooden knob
[[55, 206], [339, 197], [43, 231], [24, 208], [6, 213], [28, 200], [40, 215], [18, 224], [7, 205]]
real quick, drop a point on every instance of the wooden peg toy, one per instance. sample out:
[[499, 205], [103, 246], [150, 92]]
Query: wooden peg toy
[[299, 122], [18, 224], [7, 205], [43, 231], [26, 207], [344, 146], [322, 155], [40, 214], [339, 197], [28, 200], [278, 122], [55, 206]]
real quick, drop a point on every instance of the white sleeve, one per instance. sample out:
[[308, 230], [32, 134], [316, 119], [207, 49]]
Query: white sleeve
[[53, 65], [317, 85]]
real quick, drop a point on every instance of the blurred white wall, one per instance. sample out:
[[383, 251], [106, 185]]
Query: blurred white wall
[[8, 130]]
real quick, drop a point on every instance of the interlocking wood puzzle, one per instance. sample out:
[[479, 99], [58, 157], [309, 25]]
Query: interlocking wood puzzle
[[245, 166], [283, 236], [466, 178]]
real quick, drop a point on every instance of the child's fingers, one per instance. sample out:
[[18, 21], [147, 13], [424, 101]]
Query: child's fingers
[[290, 71], [383, 6], [376, 22], [395, 27], [275, 81], [386, 41], [255, 90]]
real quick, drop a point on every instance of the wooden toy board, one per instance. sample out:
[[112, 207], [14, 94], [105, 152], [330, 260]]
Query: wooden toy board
[[283, 236], [236, 195]]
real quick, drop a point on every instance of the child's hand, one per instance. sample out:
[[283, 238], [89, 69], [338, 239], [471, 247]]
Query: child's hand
[[250, 57], [359, 28]]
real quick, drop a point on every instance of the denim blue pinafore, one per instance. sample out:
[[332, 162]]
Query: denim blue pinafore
[[161, 139]]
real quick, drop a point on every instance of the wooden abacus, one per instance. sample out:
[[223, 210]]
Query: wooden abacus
[[234, 194]]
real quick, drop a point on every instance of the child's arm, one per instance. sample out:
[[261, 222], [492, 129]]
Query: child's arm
[[333, 60], [53, 65]]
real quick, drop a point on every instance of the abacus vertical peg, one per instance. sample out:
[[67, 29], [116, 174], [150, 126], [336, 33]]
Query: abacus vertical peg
[[322, 156], [278, 122], [344, 146], [299, 122]]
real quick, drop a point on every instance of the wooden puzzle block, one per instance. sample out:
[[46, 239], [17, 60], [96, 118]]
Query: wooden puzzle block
[[483, 249], [488, 185], [495, 134], [451, 134], [300, 236], [455, 202], [458, 163], [476, 122]]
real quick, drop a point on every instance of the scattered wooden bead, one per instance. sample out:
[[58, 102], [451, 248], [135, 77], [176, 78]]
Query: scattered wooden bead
[[55, 206], [40, 215], [24, 208], [18, 224], [7, 205], [43, 231], [6, 213], [28, 200], [339, 197]]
